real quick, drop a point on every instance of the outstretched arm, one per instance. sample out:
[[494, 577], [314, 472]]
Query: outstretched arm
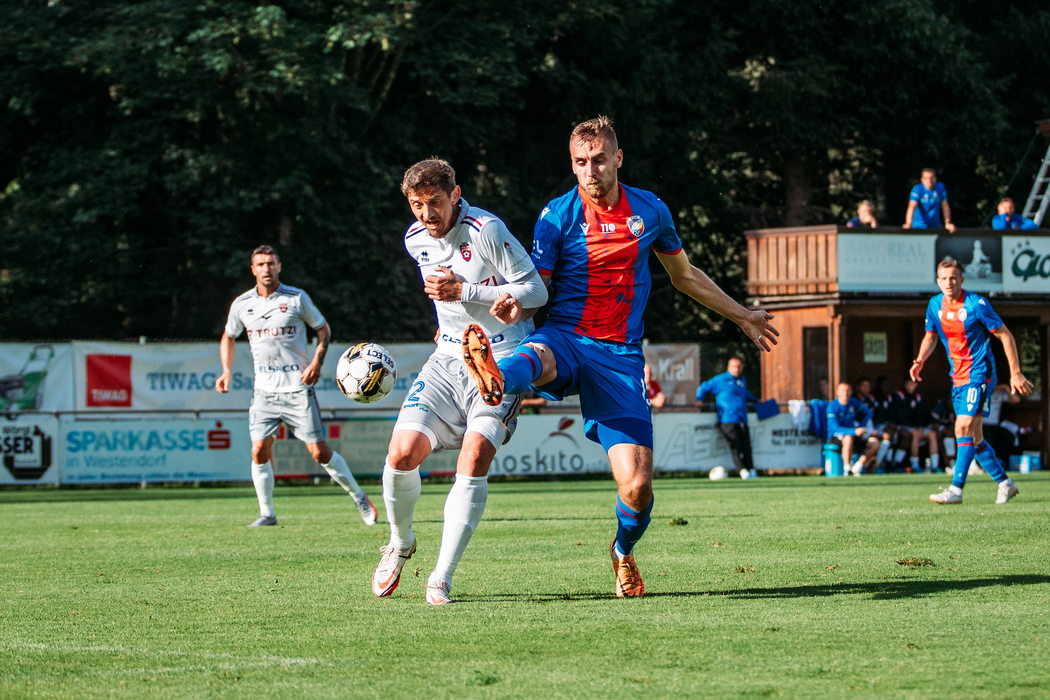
[[1018, 383], [694, 283], [929, 342]]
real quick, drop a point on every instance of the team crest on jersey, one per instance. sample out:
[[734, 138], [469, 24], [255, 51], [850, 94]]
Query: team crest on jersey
[[962, 314], [636, 226], [464, 250], [284, 308]]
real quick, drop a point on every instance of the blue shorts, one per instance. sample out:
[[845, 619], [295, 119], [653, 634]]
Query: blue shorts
[[610, 379], [973, 399]]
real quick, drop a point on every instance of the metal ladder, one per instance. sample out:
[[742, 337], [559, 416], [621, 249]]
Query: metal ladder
[[1038, 199]]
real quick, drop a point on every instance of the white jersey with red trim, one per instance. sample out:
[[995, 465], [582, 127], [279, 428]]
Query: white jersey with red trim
[[480, 250], [276, 328]]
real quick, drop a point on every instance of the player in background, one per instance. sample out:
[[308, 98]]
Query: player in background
[[275, 317], [849, 421], [731, 398], [910, 420], [965, 323], [471, 266], [880, 418], [592, 245]]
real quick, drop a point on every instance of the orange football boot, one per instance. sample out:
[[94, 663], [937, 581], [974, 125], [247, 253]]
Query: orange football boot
[[477, 354], [628, 579]]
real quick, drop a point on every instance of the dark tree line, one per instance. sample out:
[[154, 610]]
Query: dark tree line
[[146, 147]]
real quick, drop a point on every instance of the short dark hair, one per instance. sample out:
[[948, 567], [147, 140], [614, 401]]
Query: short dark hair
[[601, 127], [734, 357], [265, 250], [951, 263], [930, 170], [863, 379], [432, 172], [1006, 199]]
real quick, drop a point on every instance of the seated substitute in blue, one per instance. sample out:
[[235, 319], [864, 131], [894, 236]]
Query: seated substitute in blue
[[1008, 218], [849, 419]]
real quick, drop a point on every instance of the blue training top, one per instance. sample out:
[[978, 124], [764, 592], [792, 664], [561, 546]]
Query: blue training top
[[1015, 220], [844, 420], [731, 397], [928, 205]]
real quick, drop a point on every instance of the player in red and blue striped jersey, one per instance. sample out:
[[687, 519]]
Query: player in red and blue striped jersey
[[965, 323], [592, 246]]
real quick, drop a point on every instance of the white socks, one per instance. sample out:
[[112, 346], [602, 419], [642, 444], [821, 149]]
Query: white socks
[[935, 461], [262, 477], [915, 463], [955, 489], [898, 456], [463, 509], [400, 493], [340, 473], [884, 447], [949, 447]]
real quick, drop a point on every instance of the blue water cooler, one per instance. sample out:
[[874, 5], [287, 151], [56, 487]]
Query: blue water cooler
[[833, 460]]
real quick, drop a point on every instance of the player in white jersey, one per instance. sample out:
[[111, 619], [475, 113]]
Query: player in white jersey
[[275, 317], [477, 273]]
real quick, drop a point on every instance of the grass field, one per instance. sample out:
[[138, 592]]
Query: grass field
[[782, 587]]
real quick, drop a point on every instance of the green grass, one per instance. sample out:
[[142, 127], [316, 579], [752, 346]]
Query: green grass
[[783, 587]]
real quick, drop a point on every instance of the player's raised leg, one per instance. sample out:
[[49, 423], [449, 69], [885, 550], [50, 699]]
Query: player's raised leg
[[463, 510], [401, 489], [530, 364], [262, 478]]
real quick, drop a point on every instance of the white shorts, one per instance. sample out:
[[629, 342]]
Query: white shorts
[[444, 404], [296, 409]]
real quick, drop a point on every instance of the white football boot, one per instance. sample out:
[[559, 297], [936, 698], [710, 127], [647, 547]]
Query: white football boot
[[388, 574], [438, 591], [264, 521], [1006, 492], [947, 497], [367, 510]]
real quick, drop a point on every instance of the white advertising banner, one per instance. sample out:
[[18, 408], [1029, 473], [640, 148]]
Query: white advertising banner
[[1026, 264], [36, 377], [29, 450], [131, 451], [181, 376], [555, 444], [886, 262]]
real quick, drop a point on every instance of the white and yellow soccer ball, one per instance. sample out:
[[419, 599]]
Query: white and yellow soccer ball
[[366, 372], [718, 473]]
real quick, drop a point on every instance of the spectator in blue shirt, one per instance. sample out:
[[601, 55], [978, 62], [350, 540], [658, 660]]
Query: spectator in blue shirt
[[731, 397], [865, 217], [1009, 218], [928, 201], [850, 420]]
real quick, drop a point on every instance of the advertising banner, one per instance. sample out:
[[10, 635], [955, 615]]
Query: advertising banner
[[1026, 264], [982, 260], [676, 367], [886, 262], [36, 377], [131, 451], [181, 376], [555, 444], [29, 450]]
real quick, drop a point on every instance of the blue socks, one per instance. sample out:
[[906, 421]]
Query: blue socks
[[989, 462], [632, 525], [964, 451], [520, 370]]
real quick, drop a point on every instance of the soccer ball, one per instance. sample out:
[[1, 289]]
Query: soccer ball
[[366, 372], [718, 473]]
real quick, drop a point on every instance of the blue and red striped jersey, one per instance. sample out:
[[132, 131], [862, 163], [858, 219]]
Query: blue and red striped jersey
[[599, 261], [965, 328]]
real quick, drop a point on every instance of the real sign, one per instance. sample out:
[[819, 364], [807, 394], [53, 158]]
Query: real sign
[[886, 262]]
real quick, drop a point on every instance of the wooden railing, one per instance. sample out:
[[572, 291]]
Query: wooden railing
[[802, 260]]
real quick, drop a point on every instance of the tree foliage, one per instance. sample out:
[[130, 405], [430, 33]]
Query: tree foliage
[[146, 147]]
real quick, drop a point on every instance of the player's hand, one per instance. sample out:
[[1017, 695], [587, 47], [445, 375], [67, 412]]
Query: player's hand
[[950, 226], [905, 225], [311, 374], [1019, 384], [507, 310], [916, 370], [758, 328], [443, 287], [222, 384], [858, 432]]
